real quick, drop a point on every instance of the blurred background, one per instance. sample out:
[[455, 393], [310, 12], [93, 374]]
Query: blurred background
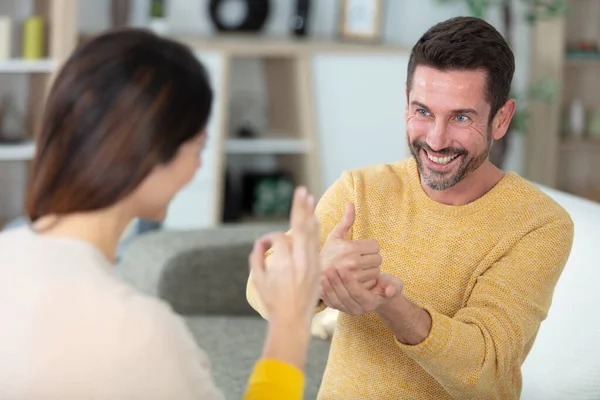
[[306, 89]]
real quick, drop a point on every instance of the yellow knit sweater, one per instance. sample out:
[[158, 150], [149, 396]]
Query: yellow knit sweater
[[485, 272]]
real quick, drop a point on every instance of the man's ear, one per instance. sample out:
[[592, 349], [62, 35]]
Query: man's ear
[[501, 121]]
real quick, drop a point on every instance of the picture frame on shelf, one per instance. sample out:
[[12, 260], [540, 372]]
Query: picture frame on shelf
[[361, 20]]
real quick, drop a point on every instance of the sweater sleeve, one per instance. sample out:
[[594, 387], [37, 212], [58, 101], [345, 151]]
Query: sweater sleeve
[[478, 353], [330, 210], [274, 380]]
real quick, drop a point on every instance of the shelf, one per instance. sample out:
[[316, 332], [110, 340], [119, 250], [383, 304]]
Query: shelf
[[16, 65], [272, 45], [583, 62], [258, 221], [269, 45], [580, 144], [17, 152], [267, 146]]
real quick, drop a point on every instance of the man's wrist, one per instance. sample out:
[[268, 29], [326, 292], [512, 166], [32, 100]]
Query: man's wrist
[[394, 308], [410, 323]]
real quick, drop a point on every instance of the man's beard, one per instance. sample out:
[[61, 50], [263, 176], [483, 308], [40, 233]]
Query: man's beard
[[444, 180]]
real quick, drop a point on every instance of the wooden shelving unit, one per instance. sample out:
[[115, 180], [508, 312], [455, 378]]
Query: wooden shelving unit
[[290, 136], [556, 157], [60, 20], [267, 146], [27, 66], [17, 152], [290, 140]]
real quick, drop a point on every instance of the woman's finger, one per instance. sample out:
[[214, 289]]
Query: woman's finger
[[298, 211], [282, 258], [298, 225], [256, 262], [313, 239]]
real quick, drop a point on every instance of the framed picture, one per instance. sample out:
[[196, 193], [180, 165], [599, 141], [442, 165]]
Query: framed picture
[[361, 19]]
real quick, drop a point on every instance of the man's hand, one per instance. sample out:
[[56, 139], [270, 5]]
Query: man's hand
[[343, 292], [359, 258]]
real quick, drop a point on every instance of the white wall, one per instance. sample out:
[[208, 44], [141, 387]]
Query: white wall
[[360, 103]]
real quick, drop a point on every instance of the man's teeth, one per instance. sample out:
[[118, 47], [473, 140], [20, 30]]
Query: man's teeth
[[442, 160]]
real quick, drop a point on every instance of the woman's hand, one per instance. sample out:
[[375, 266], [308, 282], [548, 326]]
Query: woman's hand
[[289, 287]]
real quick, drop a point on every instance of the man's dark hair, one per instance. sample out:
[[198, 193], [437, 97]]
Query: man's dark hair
[[467, 43]]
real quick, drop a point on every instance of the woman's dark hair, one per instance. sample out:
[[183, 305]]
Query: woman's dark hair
[[467, 43], [122, 104]]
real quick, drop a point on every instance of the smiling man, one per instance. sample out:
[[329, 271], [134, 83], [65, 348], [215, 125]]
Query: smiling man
[[443, 266]]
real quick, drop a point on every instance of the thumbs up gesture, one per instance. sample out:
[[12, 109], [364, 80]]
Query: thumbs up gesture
[[359, 258]]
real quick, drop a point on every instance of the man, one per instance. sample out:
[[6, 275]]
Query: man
[[469, 255]]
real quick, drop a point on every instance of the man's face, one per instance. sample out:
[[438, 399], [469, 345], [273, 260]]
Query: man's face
[[447, 124]]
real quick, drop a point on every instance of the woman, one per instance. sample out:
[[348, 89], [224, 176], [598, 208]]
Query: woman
[[122, 133]]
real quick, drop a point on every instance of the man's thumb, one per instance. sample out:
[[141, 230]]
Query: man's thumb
[[391, 286], [343, 227]]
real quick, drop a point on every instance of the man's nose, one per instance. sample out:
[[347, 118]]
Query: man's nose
[[437, 136]]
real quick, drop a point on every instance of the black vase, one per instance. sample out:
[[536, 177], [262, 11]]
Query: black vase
[[253, 21], [300, 18]]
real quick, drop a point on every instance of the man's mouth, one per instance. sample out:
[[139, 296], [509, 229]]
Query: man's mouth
[[441, 160]]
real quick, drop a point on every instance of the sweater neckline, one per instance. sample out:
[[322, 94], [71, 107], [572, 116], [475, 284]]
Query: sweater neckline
[[492, 197], [72, 242]]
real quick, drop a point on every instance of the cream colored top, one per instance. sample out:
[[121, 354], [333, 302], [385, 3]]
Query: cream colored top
[[72, 330]]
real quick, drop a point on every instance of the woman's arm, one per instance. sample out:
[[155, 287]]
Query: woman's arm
[[279, 373], [288, 290]]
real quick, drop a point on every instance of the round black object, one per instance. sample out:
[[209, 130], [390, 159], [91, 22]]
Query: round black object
[[257, 12]]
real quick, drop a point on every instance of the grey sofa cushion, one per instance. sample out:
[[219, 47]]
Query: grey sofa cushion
[[197, 272], [208, 281], [233, 345]]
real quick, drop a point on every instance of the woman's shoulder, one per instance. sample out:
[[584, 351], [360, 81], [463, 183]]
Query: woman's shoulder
[[109, 334]]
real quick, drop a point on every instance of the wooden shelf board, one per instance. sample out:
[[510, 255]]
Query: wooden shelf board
[[260, 45], [267, 146], [259, 221], [17, 152], [15, 65], [580, 144], [583, 62]]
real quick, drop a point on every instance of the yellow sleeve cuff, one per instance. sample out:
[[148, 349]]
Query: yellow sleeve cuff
[[435, 343], [274, 379]]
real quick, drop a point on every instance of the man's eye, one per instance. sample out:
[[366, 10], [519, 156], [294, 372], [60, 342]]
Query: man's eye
[[423, 112], [462, 118]]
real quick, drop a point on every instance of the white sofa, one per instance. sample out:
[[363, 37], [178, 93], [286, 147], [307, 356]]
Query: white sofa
[[564, 362]]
